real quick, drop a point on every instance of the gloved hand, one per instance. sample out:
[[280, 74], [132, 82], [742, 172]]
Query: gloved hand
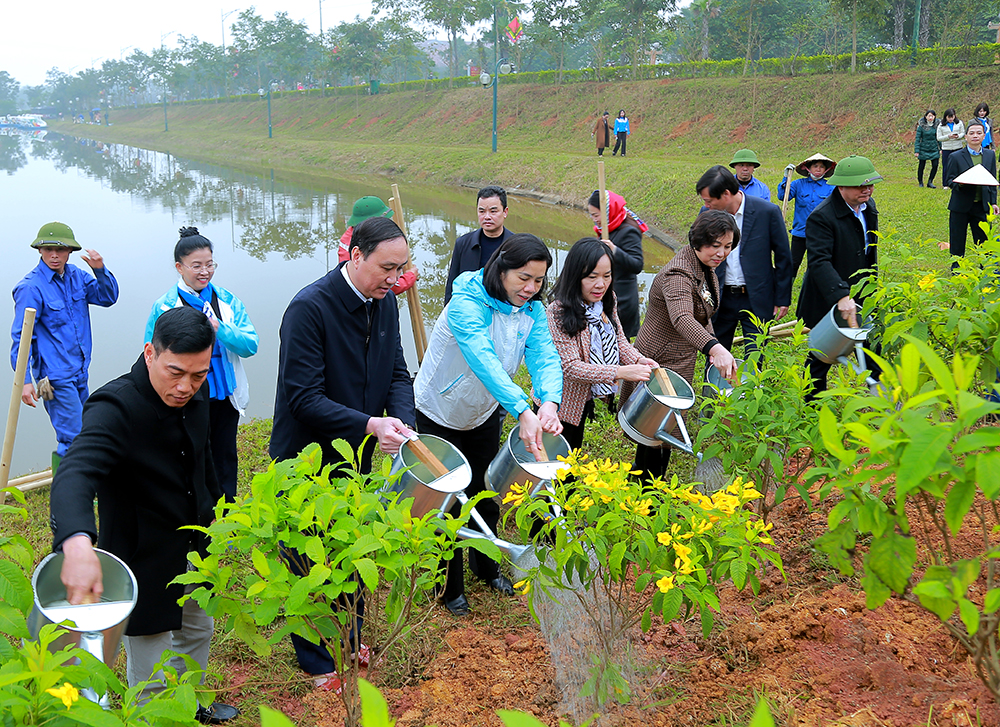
[[45, 390], [790, 168]]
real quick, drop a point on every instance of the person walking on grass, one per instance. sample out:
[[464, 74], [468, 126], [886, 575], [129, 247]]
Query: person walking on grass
[[622, 133], [601, 134], [926, 147], [951, 137]]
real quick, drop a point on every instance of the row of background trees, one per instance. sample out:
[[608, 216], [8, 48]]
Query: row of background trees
[[392, 44]]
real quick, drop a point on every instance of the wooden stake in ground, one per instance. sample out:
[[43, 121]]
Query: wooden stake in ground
[[603, 191], [788, 189], [412, 296], [23, 349]]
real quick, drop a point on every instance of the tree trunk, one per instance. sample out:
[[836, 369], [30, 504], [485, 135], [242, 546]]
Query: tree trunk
[[925, 23], [854, 38], [704, 33], [898, 10]]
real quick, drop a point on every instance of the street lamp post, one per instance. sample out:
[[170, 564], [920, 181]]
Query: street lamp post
[[503, 66], [165, 127], [260, 92]]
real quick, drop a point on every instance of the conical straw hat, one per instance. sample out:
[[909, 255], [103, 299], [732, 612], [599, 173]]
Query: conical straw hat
[[977, 175]]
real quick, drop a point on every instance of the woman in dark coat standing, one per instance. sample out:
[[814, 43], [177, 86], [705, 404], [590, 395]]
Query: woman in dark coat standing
[[601, 134], [926, 147], [626, 246], [683, 298]]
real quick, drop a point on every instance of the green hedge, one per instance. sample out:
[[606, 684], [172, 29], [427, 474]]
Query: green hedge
[[875, 61]]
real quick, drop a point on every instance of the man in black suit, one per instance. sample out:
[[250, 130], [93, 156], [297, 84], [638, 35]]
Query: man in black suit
[[757, 276], [970, 203], [144, 452], [474, 249], [342, 375]]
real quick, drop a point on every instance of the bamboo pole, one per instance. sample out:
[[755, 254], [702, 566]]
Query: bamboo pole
[[603, 191], [788, 189], [23, 349], [35, 485], [412, 295], [774, 333], [33, 477]]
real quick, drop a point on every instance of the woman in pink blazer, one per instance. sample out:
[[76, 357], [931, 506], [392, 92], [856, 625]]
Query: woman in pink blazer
[[583, 319]]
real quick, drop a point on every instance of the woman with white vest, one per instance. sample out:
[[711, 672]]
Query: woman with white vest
[[235, 339], [494, 320]]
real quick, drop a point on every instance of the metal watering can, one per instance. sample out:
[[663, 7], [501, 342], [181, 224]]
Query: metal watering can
[[830, 342], [97, 628], [654, 410]]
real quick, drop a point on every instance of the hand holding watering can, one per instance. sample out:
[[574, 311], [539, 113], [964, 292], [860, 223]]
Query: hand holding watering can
[[848, 310]]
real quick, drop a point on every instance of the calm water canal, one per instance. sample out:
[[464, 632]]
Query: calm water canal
[[273, 233]]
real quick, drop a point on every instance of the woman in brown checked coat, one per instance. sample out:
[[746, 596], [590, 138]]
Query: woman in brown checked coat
[[678, 324], [583, 319], [601, 134]]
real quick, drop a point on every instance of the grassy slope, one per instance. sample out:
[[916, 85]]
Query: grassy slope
[[679, 128]]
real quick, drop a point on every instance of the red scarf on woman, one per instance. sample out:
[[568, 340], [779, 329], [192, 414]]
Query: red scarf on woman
[[617, 212]]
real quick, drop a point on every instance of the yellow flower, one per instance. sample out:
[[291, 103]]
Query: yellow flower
[[665, 583], [699, 527], [725, 502], [523, 587], [927, 282], [988, 289], [683, 554], [517, 495], [67, 693], [639, 508], [663, 538]]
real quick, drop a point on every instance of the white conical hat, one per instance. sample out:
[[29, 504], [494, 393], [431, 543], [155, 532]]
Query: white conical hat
[[977, 175]]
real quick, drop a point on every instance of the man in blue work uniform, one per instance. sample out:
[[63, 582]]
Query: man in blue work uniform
[[61, 343], [744, 165]]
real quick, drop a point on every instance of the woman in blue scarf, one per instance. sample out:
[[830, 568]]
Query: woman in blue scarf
[[235, 339]]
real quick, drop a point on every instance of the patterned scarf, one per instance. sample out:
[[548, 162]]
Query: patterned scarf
[[603, 346], [220, 382]]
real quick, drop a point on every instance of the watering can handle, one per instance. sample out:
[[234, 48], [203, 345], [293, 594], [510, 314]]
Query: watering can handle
[[664, 379], [427, 457]]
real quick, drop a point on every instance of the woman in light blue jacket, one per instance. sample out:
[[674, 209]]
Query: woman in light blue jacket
[[621, 132], [494, 320], [235, 339]]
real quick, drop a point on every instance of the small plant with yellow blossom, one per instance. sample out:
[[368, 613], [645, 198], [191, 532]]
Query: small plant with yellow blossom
[[630, 551]]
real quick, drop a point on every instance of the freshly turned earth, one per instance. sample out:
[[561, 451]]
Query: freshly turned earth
[[808, 643]]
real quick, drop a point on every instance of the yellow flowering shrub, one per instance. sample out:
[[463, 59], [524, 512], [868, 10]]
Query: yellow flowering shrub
[[637, 549]]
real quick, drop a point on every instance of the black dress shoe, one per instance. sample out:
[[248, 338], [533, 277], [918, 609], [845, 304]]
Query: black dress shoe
[[458, 606], [502, 585], [216, 714], [930, 186]]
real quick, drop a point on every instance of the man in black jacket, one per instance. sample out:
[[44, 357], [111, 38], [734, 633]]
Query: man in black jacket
[[144, 452], [474, 249], [757, 276], [841, 247], [969, 203], [342, 375]]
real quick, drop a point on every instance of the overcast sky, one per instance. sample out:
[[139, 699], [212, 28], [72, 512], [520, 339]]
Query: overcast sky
[[74, 35]]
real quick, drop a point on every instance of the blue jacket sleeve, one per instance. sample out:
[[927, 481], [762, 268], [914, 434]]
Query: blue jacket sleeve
[[25, 296], [792, 191], [542, 358], [469, 322], [240, 336], [102, 289]]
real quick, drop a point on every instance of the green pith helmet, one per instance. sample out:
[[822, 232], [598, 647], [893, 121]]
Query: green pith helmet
[[366, 208], [56, 233], [854, 171], [745, 156]]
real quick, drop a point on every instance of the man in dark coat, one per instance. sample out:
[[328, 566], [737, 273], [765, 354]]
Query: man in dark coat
[[841, 247], [474, 249], [342, 375], [757, 276], [144, 452], [969, 203]]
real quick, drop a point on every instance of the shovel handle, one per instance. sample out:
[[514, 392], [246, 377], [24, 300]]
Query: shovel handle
[[427, 457], [541, 455], [664, 379]]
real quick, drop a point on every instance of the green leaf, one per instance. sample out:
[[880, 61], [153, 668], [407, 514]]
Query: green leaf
[[707, 621], [15, 589], [273, 718], [761, 715], [985, 438], [921, 457], [738, 571], [368, 571], [958, 504], [833, 439], [932, 589], [12, 622], [672, 601], [969, 614], [617, 554], [647, 620], [876, 592], [988, 473], [891, 558], [260, 562], [374, 710], [992, 601]]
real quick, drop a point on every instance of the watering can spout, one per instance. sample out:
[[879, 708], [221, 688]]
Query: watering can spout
[[516, 552]]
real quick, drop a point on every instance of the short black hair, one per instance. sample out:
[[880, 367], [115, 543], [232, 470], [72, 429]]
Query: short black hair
[[515, 252], [372, 232], [493, 191], [710, 226], [975, 122], [982, 107], [190, 241], [717, 180], [182, 330]]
